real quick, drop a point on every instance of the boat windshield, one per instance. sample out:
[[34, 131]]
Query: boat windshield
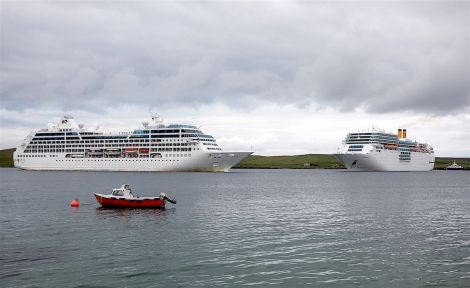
[[118, 192]]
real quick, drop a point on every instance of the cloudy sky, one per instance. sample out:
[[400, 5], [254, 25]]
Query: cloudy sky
[[278, 77]]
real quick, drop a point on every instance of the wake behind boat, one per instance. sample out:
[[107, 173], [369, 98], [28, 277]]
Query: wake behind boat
[[124, 198]]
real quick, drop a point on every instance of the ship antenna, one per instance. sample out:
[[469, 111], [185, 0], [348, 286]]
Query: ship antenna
[[154, 115]]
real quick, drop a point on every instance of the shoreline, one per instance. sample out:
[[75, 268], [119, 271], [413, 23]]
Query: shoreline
[[306, 161]]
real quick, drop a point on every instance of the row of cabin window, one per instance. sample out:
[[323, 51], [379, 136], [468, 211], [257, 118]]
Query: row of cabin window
[[169, 149], [56, 133], [146, 136], [37, 155], [104, 141], [95, 146], [81, 159], [209, 144], [42, 146], [138, 132], [83, 150], [42, 156]]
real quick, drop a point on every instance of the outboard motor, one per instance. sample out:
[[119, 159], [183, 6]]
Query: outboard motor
[[164, 197]]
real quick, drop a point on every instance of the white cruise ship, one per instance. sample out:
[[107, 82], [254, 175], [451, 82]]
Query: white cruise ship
[[154, 147], [380, 151]]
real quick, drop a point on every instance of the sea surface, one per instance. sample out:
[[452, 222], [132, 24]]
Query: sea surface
[[258, 228]]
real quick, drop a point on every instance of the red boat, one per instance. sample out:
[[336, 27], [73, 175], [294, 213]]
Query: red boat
[[124, 198]]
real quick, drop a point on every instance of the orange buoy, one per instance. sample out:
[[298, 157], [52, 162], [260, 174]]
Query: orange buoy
[[75, 203]]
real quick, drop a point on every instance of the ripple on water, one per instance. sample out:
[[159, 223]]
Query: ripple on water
[[252, 228]]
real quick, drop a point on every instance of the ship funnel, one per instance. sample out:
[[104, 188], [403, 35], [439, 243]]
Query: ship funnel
[[404, 133], [400, 133]]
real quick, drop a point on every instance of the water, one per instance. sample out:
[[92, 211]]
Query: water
[[285, 228]]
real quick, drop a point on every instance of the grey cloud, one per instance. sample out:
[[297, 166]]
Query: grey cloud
[[385, 56]]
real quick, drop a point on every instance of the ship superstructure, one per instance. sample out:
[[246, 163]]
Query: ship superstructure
[[154, 147], [381, 151]]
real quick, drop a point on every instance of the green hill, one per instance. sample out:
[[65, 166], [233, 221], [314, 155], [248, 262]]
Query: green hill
[[308, 161], [442, 162], [6, 157]]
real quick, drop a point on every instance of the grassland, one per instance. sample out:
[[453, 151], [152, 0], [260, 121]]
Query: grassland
[[6, 157], [442, 162], [308, 161]]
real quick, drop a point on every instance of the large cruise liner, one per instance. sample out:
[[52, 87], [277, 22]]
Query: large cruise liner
[[154, 147], [380, 151]]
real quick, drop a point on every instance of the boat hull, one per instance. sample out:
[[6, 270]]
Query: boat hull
[[386, 161], [113, 202], [201, 162]]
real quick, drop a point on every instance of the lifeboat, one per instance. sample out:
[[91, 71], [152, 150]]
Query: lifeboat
[[391, 146], [156, 155], [74, 156], [124, 198], [144, 150], [131, 150], [423, 148]]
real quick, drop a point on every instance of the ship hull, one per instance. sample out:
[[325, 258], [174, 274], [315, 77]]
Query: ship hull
[[205, 161], [386, 160]]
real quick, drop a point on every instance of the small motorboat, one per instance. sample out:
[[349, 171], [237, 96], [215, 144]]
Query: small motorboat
[[124, 198]]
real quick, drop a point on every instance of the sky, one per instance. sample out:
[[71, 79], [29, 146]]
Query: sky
[[273, 77]]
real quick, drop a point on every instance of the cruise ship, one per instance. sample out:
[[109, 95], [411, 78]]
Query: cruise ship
[[154, 147], [381, 151]]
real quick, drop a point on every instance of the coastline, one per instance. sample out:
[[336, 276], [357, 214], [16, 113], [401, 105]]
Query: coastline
[[307, 161]]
